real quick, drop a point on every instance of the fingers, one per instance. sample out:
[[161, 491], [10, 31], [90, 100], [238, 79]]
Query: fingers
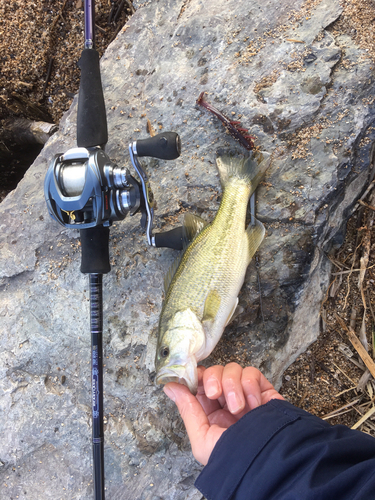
[[224, 383], [225, 394], [190, 410], [232, 388], [212, 381], [209, 404], [195, 420], [241, 389], [257, 389], [251, 380]]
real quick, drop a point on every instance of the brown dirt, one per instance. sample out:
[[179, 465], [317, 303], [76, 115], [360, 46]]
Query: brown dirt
[[41, 42]]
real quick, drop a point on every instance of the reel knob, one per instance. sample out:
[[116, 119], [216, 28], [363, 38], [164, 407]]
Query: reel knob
[[165, 146]]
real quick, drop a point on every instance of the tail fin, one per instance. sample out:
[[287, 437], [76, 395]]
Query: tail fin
[[250, 169]]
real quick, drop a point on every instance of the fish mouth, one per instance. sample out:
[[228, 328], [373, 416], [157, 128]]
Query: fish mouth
[[183, 374]]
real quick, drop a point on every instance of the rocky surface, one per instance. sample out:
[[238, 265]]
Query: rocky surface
[[303, 88]]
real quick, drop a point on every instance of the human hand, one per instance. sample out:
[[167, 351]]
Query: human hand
[[225, 394]]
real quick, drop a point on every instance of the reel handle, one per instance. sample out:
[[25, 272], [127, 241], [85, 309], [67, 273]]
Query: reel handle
[[166, 146], [170, 239]]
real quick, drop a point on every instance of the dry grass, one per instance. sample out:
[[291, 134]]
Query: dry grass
[[331, 380]]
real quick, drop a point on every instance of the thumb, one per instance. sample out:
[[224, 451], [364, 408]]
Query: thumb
[[190, 409], [193, 415]]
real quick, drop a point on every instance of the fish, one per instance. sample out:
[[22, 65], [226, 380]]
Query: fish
[[202, 288]]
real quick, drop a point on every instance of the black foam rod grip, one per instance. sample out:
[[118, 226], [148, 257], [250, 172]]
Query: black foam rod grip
[[91, 115], [171, 239], [95, 250], [166, 146]]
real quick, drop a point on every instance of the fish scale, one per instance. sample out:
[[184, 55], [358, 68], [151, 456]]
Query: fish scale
[[203, 292], [212, 250]]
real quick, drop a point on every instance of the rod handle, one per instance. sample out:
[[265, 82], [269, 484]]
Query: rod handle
[[98, 470], [91, 115], [95, 250]]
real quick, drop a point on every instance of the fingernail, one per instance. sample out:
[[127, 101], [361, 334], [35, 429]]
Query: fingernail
[[252, 401], [211, 388], [168, 391], [235, 404]]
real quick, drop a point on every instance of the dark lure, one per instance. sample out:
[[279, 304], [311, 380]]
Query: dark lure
[[240, 134]]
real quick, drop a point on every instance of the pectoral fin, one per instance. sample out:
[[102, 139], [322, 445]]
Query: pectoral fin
[[255, 234], [232, 313], [211, 306]]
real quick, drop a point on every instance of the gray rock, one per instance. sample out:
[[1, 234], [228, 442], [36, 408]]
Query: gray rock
[[301, 102]]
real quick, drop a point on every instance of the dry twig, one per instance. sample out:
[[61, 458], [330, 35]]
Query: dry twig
[[367, 415], [349, 275], [357, 346], [363, 380], [335, 413]]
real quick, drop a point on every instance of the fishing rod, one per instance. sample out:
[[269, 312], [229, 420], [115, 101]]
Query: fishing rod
[[85, 190]]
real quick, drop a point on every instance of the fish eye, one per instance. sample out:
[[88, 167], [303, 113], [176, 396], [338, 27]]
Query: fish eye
[[164, 351]]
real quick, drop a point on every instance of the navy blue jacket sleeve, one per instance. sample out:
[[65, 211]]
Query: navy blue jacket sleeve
[[280, 452]]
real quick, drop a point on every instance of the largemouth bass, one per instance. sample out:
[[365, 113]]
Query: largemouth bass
[[203, 292]]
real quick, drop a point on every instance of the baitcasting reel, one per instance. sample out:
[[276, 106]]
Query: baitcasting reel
[[84, 188]]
